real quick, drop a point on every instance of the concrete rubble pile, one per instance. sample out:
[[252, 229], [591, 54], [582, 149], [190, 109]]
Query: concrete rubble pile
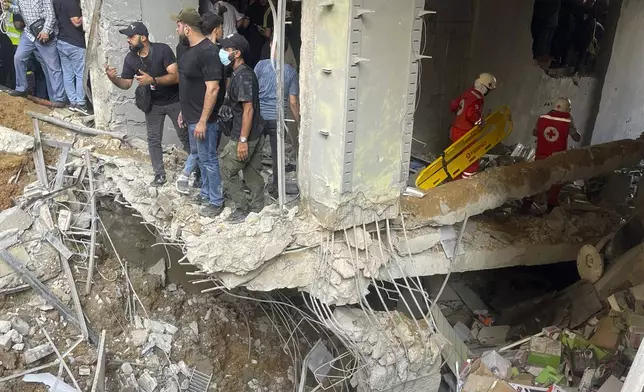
[[397, 354], [180, 342], [585, 337]]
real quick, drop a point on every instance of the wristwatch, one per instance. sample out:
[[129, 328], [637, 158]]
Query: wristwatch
[[242, 139]]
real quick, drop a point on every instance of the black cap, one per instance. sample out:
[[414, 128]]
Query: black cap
[[136, 28], [235, 41]]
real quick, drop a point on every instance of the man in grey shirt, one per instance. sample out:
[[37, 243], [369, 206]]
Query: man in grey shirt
[[232, 17], [38, 13]]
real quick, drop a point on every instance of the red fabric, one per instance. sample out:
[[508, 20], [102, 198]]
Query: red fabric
[[468, 108], [553, 195], [552, 133], [553, 130]]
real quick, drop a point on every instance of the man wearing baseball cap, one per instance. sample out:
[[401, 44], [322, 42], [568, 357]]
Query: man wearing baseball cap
[[200, 73], [244, 150], [154, 66]]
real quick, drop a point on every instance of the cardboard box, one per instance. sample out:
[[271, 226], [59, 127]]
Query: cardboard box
[[544, 352]]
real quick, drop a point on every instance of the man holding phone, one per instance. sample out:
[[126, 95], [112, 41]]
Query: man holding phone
[[39, 35], [154, 66]]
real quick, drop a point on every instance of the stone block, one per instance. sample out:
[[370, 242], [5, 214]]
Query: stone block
[[12, 142], [5, 326], [139, 337], [20, 325], [147, 382], [127, 369], [5, 342], [37, 353], [15, 218]]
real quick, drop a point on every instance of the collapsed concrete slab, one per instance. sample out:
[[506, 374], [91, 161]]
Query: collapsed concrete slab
[[450, 203], [266, 252]]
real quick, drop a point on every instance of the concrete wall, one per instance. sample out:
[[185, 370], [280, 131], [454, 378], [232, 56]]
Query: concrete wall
[[115, 108], [447, 39], [502, 45], [621, 111]]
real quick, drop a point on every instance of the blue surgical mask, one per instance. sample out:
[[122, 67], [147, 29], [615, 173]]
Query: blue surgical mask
[[223, 56]]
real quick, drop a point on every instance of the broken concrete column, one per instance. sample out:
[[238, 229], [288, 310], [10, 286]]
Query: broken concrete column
[[449, 203], [357, 108]]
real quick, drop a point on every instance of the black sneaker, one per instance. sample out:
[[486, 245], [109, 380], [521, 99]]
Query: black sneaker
[[159, 180], [211, 211], [198, 199], [82, 109], [238, 216], [16, 93]]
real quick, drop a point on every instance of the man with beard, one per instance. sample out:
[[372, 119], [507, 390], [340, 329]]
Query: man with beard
[[200, 72], [154, 66], [212, 26]]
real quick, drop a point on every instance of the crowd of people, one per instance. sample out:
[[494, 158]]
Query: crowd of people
[[216, 84], [45, 39]]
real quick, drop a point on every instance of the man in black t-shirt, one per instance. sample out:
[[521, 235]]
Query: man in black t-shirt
[[154, 66], [244, 150], [200, 73], [71, 50]]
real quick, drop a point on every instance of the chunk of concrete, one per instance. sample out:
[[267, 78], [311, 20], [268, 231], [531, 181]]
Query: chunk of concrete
[[18, 347], [84, 371], [15, 218], [147, 382], [5, 342], [127, 369], [37, 353], [5, 326], [14, 336], [20, 325], [139, 337], [171, 329], [155, 326], [417, 244], [162, 341], [164, 202], [159, 270], [359, 238], [13, 142]]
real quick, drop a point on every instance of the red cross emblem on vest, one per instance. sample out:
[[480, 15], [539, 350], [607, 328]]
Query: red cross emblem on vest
[[551, 134]]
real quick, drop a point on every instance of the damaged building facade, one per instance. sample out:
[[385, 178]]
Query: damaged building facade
[[358, 250]]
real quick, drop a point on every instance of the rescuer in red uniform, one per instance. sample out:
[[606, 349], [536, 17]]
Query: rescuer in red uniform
[[468, 109], [552, 132]]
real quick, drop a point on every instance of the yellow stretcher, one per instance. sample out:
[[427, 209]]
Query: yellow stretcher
[[467, 150]]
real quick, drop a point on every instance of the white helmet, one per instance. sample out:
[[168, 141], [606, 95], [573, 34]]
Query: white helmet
[[562, 104], [487, 80]]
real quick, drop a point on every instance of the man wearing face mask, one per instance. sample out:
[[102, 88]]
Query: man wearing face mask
[[200, 73], [468, 109], [152, 64], [244, 150]]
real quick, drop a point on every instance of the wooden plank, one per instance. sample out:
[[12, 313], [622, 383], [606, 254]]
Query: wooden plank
[[66, 255], [44, 291], [92, 202], [99, 374], [39, 158], [62, 161], [55, 143]]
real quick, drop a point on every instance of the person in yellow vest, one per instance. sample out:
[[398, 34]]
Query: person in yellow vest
[[8, 43]]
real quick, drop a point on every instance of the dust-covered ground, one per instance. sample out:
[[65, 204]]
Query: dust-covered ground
[[234, 340]]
